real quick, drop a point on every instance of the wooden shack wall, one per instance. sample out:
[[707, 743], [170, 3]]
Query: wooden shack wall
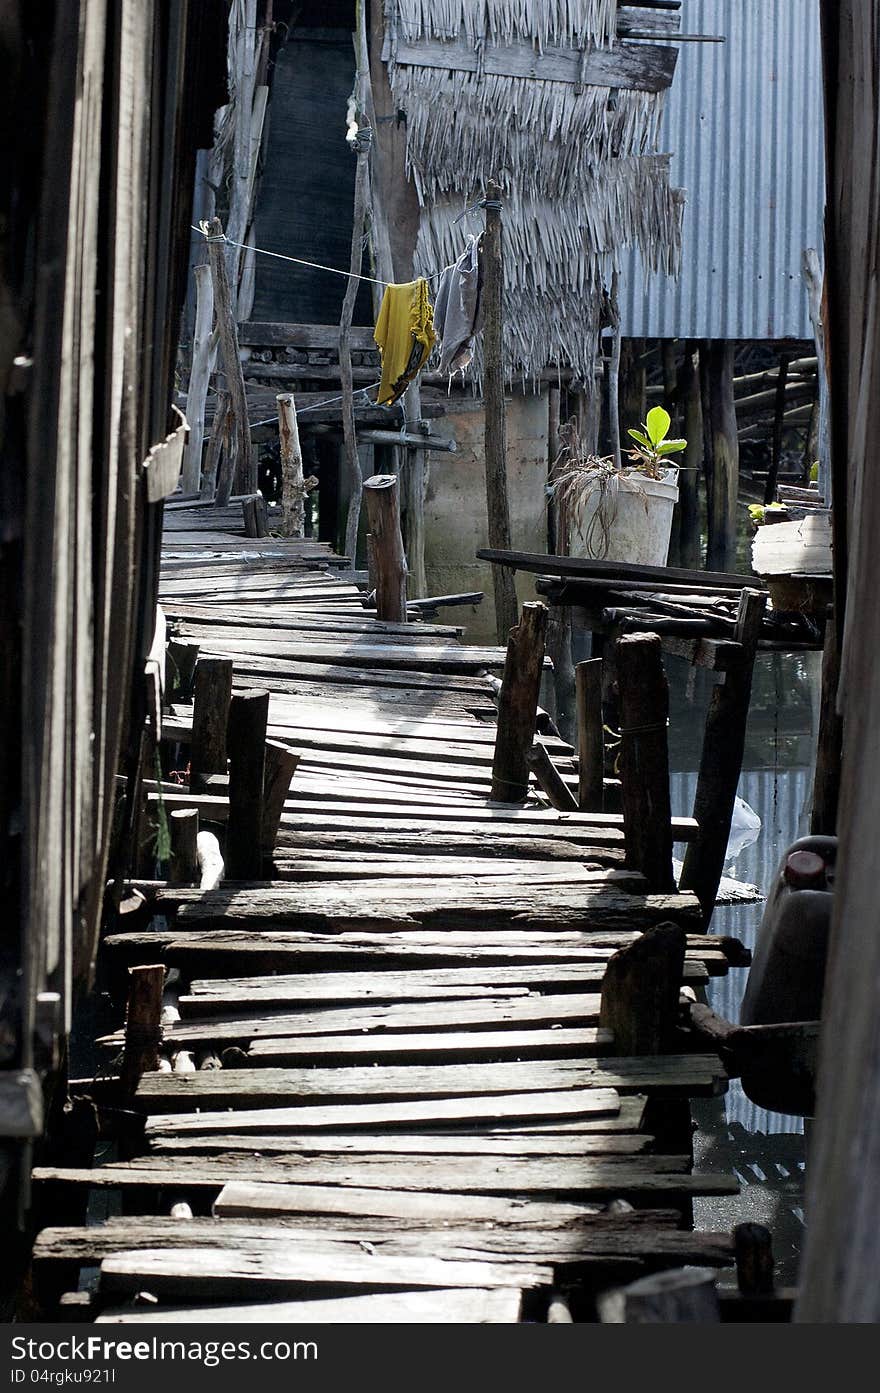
[[839, 1278], [94, 255]]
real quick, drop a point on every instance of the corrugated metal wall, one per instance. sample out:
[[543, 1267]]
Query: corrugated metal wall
[[744, 124]]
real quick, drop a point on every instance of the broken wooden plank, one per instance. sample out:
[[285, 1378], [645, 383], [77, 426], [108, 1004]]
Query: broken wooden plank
[[463, 1306]]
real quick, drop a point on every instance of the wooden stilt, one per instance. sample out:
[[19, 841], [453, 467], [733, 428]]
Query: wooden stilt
[[590, 736], [212, 690], [142, 1029], [497, 502], [644, 759], [518, 705], [753, 1246], [383, 508], [241, 465], [721, 454], [641, 989], [217, 446], [826, 783], [203, 352], [778, 429], [691, 465], [182, 658], [248, 717], [721, 760], [183, 826]]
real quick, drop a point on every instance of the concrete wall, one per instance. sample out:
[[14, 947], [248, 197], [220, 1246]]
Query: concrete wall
[[455, 508]]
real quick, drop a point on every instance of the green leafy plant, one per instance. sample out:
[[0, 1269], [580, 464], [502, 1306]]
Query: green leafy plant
[[652, 448]]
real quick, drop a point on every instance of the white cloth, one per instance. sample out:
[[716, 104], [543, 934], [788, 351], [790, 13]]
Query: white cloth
[[458, 309]]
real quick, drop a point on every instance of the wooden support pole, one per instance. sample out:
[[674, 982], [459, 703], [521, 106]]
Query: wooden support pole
[[183, 826], [240, 466], [644, 759], [721, 760], [640, 991], [829, 753], [549, 778], [691, 465], [248, 718], [218, 445], [293, 493], [281, 765], [212, 690], [142, 1024], [814, 280], [203, 352], [590, 736], [518, 705], [383, 509], [614, 373], [253, 509], [778, 429], [686, 1295], [497, 503], [362, 144], [721, 453], [753, 1247]]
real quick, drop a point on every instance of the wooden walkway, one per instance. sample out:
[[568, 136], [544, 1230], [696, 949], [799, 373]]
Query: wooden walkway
[[385, 1093]]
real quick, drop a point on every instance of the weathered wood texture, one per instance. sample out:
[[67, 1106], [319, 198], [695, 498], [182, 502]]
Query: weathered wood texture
[[212, 692], [383, 509], [644, 759], [495, 443], [248, 715], [518, 705], [239, 468]]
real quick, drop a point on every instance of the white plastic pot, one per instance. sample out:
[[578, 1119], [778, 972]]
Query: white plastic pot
[[636, 522]]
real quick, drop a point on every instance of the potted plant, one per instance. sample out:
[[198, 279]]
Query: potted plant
[[620, 514]]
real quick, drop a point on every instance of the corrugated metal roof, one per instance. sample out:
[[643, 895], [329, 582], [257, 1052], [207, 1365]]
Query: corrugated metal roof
[[744, 124]]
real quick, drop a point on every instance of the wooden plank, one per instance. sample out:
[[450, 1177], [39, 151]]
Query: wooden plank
[[471, 1045], [266, 1089], [463, 1306], [193, 1272], [549, 1144], [575, 567], [569, 1102], [644, 67], [163, 463]]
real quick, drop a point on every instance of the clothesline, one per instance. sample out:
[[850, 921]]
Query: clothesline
[[316, 406], [313, 265]]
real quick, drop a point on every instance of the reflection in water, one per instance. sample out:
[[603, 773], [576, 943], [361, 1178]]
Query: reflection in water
[[765, 1150]]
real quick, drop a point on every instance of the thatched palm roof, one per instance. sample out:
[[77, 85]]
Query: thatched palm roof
[[579, 164]]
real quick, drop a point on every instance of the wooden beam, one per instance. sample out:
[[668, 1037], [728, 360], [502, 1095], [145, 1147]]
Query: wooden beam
[[248, 716], [590, 736], [212, 691], [642, 67], [641, 989], [540, 762], [240, 468], [293, 493], [142, 1024]]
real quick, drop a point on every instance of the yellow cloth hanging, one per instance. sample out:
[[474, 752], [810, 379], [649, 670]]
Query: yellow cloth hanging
[[405, 335]]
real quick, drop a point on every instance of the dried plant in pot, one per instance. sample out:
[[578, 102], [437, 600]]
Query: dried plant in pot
[[619, 514]]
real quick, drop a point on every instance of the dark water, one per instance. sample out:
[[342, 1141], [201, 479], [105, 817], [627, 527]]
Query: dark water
[[766, 1151]]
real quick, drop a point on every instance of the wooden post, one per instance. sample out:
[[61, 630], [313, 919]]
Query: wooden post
[[281, 765], [383, 509], [518, 705], [203, 351], [293, 493], [829, 753], [559, 653], [614, 374], [241, 463], [183, 825], [590, 736], [686, 1295], [753, 1246], [414, 483], [721, 454], [778, 430], [644, 759], [551, 781], [142, 1024], [248, 718], [253, 509], [691, 465], [814, 281], [218, 446], [497, 504], [721, 760], [640, 991], [633, 402], [212, 690]]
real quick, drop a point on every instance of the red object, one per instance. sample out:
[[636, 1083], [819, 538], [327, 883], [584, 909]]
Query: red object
[[804, 870]]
